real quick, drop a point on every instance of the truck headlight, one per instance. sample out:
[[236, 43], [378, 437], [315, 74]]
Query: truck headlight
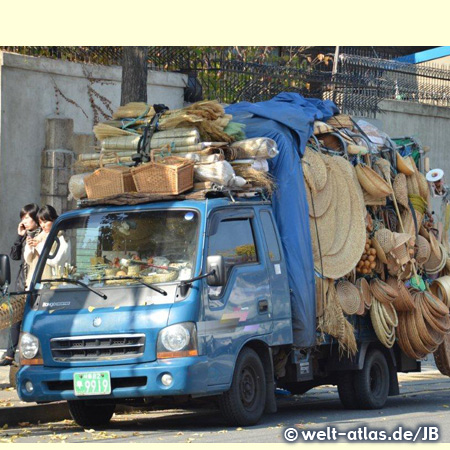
[[29, 346], [177, 341]]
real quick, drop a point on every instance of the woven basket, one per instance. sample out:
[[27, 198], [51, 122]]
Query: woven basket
[[11, 310], [441, 289], [364, 290], [373, 183], [401, 189], [348, 296], [386, 239], [170, 176], [404, 301], [423, 250], [404, 165], [382, 291], [107, 181], [442, 356]]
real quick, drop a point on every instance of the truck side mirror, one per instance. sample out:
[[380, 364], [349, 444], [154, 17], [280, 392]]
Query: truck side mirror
[[5, 270], [216, 263]]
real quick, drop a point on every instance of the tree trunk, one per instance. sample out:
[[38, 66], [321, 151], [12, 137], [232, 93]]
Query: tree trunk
[[134, 75]]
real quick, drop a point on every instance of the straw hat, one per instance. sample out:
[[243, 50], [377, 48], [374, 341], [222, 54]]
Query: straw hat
[[441, 289], [339, 264], [315, 170], [354, 149], [404, 165], [400, 249], [320, 202], [372, 182], [322, 127], [348, 296], [342, 217], [401, 189]]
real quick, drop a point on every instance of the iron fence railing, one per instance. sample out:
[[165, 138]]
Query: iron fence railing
[[358, 87]]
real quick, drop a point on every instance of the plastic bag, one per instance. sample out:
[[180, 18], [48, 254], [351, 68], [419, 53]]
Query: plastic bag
[[219, 172], [77, 188], [256, 148]]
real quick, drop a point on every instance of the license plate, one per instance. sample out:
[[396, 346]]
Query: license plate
[[92, 383]]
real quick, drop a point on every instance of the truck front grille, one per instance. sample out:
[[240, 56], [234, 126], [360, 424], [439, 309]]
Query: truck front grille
[[97, 347]]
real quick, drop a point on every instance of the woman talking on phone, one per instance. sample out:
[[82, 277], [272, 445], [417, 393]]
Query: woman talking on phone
[[28, 228]]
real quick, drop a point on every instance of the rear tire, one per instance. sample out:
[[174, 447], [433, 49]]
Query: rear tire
[[89, 413], [372, 382], [346, 389], [244, 403]]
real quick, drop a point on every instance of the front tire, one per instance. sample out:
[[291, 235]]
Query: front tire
[[89, 413], [244, 403], [372, 382]]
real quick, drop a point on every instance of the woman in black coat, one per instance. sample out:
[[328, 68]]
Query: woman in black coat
[[28, 227]]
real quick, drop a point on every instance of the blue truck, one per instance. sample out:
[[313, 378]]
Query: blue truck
[[206, 313]]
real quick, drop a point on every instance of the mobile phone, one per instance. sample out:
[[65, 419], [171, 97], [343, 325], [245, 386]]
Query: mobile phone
[[32, 233]]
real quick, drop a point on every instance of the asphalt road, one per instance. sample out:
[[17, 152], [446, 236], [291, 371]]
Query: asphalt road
[[424, 401]]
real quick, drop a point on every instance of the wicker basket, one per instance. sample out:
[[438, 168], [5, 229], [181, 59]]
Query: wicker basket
[[160, 277], [11, 310], [108, 181], [171, 175]]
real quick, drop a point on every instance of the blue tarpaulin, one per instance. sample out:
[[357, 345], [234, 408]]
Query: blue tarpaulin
[[289, 119]]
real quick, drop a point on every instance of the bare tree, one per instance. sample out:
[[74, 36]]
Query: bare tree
[[134, 75]]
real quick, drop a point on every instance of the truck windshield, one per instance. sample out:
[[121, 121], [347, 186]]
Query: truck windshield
[[122, 248]]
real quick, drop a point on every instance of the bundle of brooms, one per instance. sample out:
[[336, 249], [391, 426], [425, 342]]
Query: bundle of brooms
[[255, 177], [207, 116]]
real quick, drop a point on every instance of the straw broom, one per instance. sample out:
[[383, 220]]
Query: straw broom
[[255, 177]]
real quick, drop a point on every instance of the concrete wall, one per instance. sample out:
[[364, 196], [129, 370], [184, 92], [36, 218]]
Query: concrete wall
[[35, 89], [430, 124]]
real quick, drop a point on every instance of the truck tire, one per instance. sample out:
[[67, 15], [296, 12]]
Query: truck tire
[[346, 389], [244, 403], [91, 413], [372, 382]]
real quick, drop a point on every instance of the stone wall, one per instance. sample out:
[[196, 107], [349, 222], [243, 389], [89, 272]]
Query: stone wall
[[52, 105]]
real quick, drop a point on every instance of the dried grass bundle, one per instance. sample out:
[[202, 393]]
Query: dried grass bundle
[[103, 131], [134, 109], [255, 177]]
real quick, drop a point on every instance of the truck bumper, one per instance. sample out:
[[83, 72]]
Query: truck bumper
[[127, 381]]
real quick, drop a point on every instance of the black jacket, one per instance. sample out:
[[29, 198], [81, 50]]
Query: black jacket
[[17, 255]]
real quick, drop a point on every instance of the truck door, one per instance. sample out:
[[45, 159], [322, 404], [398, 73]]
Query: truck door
[[241, 308]]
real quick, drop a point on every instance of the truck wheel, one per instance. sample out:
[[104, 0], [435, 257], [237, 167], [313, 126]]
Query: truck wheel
[[244, 403], [346, 389], [372, 382], [91, 413]]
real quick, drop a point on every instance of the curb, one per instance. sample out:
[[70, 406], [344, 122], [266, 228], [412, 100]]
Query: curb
[[50, 412]]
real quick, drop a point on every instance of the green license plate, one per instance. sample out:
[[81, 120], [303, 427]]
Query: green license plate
[[92, 383]]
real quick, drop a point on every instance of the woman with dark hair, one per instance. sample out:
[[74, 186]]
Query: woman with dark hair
[[28, 228], [54, 267]]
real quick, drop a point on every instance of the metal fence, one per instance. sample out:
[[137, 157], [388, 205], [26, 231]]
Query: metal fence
[[358, 87]]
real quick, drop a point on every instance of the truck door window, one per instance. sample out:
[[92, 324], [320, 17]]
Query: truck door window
[[271, 236], [234, 241]]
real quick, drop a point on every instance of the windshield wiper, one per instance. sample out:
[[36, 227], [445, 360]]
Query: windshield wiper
[[151, 286], [70, 280]]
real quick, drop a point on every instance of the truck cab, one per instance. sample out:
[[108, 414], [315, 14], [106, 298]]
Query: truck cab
[[180, 298]]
